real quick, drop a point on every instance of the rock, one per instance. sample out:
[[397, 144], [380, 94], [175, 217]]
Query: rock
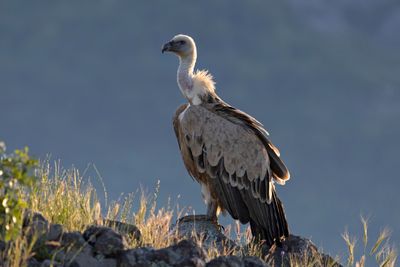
[[36, 224], [251, 261], [32, 217], [87, 261], [208, 231], [45, 250], [105, 240], [125, 229], [32, 262], [235, 261], [108, 262], [300, 250], [54, 233], [50, 263], [73, 240], [185, 253], [73, 245], [133, 257]]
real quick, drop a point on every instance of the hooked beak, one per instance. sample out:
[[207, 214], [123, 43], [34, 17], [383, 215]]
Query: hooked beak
[[167, 47]]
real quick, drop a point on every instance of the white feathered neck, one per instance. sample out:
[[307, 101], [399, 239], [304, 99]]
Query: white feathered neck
[[194, 85]]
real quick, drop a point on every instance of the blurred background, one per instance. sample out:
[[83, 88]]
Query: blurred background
[[85, 82]]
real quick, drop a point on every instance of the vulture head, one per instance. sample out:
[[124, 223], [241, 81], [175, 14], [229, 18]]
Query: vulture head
[[181, 45]]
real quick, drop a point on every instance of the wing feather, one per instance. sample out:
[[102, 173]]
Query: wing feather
[[217, 137]]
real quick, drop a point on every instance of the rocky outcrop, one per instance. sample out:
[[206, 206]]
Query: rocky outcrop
[[235, 261], [96, 246], [128, 230], [299, 250], [104, 240], [208, 232], [294, 250], [184, 253], [100, 245]]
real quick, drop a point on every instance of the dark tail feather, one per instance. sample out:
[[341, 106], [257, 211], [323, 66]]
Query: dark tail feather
[[275, 226]]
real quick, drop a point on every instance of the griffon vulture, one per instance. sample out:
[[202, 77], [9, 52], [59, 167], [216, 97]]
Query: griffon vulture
[[227, 151]]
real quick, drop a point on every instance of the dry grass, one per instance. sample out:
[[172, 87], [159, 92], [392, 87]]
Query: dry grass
[[65, 197], [384, 253], [154, 224], [311, 261], [18, 252]]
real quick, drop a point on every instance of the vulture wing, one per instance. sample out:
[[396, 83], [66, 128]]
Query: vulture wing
[[229, 152]]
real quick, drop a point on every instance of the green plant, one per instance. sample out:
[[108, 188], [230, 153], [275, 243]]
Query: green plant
[[16, 175]]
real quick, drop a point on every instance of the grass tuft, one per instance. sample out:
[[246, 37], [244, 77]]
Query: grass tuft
[[63, 197], [18, 252], [385, 254], [350, 243]]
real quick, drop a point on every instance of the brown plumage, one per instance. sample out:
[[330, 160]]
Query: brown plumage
[[228, 152]]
